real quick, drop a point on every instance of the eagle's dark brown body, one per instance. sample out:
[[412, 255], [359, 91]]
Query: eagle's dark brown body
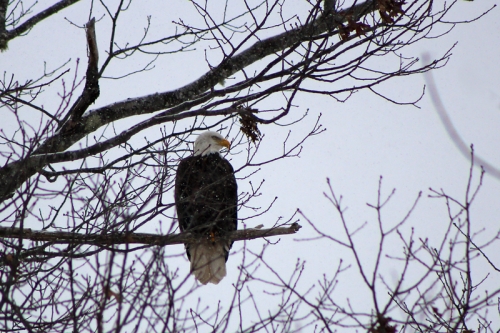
[[206, 197]]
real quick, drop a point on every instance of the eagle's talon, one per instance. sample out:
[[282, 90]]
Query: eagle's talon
[[212, 236]]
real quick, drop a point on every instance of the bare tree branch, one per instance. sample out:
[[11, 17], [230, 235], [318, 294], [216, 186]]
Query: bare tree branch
[[60, 237], [180, 100], [462, 147]]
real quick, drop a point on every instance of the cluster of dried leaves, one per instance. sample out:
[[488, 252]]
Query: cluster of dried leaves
[[249, 124], [388, 9]]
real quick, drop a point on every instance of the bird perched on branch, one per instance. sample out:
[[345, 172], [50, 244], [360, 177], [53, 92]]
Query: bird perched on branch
[[206, 198]]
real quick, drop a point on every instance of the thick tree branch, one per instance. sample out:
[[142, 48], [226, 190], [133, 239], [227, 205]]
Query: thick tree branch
[[16, 173], [3, 28], [136, 238], [230, 66]]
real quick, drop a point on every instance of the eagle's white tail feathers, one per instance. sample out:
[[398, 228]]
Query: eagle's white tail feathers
[[208, 263]]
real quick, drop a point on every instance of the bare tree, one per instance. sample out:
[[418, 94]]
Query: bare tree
[[79, 187], [435, 288]]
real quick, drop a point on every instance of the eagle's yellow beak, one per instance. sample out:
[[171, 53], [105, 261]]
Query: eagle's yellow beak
[[225, 143]]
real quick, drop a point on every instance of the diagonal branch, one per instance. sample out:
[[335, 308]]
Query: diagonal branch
[[450, 128], [201, 88], [16, 173], [228, 67]]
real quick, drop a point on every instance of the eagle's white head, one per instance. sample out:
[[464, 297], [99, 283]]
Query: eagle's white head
[[209, 142]]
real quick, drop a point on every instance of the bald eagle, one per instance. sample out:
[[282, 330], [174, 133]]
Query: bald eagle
[[206, 197]]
